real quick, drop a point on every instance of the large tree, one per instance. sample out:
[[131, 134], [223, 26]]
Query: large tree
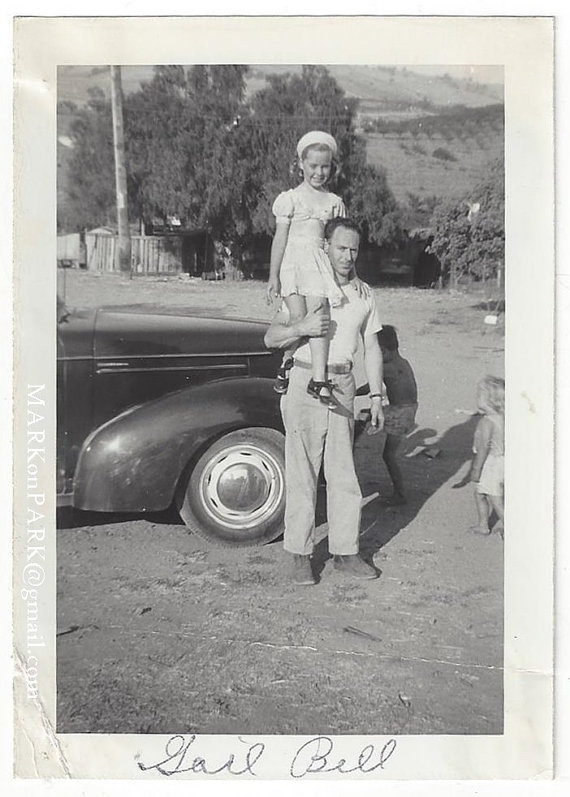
[[179, 149], [469, 233], [89, 189], [197, 148], [289, 106]]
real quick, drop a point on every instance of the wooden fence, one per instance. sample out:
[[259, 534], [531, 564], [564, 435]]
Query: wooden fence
[[100, 251], [149, 254]]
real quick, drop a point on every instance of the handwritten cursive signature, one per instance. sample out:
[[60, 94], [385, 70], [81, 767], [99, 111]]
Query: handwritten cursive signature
[[316, 754], [178, 759]]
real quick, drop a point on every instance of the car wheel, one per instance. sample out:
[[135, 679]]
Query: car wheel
[[235, 493]]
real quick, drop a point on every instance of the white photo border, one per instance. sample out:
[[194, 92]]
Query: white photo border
[[524, 751]]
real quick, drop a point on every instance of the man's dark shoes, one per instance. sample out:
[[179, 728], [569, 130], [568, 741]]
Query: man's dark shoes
[[302, 570], [354, 566]]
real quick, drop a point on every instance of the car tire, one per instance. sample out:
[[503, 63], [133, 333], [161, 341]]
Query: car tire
[[234, 494]]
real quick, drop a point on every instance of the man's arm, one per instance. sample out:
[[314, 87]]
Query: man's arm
[[374, 372], [282, 334]]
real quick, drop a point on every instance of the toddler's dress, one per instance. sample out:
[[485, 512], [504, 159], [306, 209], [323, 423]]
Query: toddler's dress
[[305, 268], [492, 477]]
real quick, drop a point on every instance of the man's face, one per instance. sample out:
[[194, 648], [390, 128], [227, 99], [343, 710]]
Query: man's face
[[342, 250]]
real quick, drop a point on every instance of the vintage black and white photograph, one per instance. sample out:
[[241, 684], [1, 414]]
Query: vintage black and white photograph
[[281, 461], [190, 201]]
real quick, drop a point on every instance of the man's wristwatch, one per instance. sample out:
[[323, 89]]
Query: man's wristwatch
[[382, 396]]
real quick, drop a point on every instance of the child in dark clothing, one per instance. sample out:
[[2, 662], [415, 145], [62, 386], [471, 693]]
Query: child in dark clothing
[[400, 413]]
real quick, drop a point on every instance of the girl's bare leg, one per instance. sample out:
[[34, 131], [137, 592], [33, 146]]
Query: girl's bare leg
[[288, 354], [319, 346], [297, 310], [319, 354]]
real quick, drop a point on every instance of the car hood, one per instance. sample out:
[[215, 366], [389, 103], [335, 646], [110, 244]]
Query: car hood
[[147, 330]]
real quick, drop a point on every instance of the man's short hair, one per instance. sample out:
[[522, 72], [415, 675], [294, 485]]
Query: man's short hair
[[388, 338], [339, 221]]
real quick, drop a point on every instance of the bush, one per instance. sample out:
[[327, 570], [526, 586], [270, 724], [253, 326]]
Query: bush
[[443, 154], [469, 232]]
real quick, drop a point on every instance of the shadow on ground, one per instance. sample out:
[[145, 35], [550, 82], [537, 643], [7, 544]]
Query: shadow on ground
[[495, 305], [70, 518], [423, 477]]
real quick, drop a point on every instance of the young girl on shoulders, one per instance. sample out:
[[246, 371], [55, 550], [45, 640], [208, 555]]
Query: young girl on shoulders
[[300, 271], [488, 467]]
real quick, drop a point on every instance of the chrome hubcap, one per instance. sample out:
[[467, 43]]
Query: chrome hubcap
[[241, 486]]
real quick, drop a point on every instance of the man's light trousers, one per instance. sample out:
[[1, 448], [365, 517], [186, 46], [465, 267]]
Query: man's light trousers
[[315, 435]]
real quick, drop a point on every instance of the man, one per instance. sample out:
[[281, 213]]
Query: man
[[316, 434]]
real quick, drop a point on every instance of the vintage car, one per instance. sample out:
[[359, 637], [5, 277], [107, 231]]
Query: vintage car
[[158, 406]]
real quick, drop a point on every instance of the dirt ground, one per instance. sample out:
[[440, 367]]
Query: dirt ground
[[160, 633]]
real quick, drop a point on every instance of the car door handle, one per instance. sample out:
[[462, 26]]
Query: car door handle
[[107, 364]]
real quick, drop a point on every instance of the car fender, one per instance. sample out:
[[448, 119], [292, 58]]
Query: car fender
[[134, 461]]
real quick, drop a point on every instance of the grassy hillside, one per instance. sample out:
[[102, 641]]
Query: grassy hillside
[[412, 167], [379, 88], [440, 155], [393, 90], [74, 82]]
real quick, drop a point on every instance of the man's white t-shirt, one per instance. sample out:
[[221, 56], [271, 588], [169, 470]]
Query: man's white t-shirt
[[351, 321]]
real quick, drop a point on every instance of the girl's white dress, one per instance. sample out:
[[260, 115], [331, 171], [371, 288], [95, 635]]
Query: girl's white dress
[[305, 268]]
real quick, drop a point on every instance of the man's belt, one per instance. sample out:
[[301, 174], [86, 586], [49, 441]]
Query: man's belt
[[332, 368]]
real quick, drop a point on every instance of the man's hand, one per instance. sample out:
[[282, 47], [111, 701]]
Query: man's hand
[[376, 414], [315, 324], [282, 335]]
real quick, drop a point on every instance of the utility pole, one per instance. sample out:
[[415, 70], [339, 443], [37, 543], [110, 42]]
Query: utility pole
[[123, 251]]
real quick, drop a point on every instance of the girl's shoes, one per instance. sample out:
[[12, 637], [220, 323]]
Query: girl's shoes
[[323, 392], [282, 379]]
